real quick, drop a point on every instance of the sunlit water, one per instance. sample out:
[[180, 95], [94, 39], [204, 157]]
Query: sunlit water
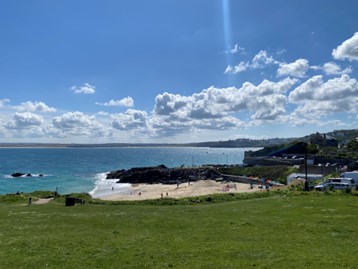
[[72, 170]]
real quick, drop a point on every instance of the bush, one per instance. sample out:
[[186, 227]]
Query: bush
[[348, 190], [13, 198]]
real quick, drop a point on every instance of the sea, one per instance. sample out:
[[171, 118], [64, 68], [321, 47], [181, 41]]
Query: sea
[[84, 169]]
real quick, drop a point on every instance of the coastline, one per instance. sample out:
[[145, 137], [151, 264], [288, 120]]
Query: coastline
[[197, 188], [76, 170]]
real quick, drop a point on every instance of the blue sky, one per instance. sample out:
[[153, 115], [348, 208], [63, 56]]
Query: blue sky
[[176, 71]]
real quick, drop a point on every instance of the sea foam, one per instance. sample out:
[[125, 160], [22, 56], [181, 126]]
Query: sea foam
[[104, 187]]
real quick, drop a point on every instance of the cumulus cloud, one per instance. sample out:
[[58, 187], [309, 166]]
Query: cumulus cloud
[[84, 89], [347, 50], [168, 103], [297, 68], [264, 101], [131, 119], [317, 98], [162, 126], [72, 120], [126, 102], [259, 61], [331, 68], [334, 89], [306, 90], [34, 107], [78, 123], [24, 120], [262, 59]]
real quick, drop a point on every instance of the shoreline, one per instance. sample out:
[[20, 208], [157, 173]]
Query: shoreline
[[183, 190]]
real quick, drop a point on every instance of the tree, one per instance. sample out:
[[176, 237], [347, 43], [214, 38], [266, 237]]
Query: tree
[[312, 148], [352, 145]]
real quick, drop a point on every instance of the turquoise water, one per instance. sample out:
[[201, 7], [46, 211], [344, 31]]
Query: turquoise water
[[84, 169]]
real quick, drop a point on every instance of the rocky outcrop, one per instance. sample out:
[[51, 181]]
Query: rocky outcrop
[[20, 175], [17, 174], [164, 175]]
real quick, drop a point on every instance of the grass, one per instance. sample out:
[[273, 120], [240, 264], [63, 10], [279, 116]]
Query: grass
[[278, 230]]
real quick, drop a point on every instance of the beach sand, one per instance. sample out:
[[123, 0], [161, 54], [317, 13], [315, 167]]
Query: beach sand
[[197, 188]]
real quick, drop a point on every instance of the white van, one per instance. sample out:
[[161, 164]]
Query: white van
[[352, 175], [338, 183]]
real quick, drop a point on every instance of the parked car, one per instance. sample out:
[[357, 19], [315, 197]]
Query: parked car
[[321, 186], [332, 185]]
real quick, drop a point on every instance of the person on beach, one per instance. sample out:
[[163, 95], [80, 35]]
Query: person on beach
[[30, 200]]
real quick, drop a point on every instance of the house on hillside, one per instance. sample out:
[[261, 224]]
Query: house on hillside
[[323, 140]]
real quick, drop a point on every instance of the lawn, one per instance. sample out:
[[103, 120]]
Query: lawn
[[316, 230]]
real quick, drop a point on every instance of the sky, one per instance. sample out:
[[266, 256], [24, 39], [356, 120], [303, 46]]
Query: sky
[[138, 71]]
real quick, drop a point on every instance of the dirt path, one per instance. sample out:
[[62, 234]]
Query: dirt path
[[42, 201]]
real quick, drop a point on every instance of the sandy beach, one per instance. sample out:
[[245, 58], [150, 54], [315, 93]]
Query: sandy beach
[[202, 187]]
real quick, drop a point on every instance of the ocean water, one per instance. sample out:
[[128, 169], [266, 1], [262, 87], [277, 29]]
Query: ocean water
[[72, 170]]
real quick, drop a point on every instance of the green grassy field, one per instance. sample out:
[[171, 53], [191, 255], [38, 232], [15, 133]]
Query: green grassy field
[[286, 230]]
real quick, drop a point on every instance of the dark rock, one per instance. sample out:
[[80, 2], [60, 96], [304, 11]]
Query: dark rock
[[17, 174], [22, 174], [162, 174]]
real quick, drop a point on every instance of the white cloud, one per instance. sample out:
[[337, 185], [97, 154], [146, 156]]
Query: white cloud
[[78, 124], [24, 120], [297, 68], [103, 114], [72, 120], [281, 51], [332, 90], [262, 59], [131, 119], [317, 98], [84, 89], [241, 67], [161, 126], [347, 50], [3, 102], [126, 102], [265, 101], [168, 103], [236, 49], [259, 61], [35, 106], [331, 68], [306, 90]]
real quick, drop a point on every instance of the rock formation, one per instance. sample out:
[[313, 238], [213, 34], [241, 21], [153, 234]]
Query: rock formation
[[164, 175]]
